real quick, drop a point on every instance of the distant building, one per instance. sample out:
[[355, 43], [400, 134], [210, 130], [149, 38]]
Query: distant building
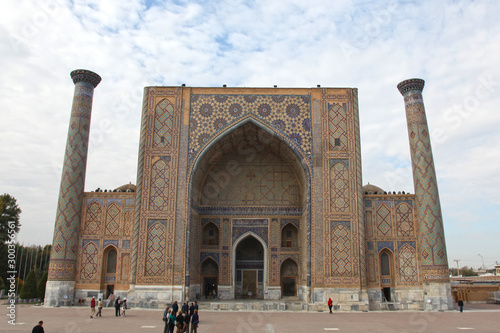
[[250, 193]]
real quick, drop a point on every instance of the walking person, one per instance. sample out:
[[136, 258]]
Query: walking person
[[194, 322], [330, 304], [92, 307], [461, 305], [99, 308], [117, 306]]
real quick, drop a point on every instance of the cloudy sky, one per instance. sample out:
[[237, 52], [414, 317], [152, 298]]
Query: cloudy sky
[[371, 45]]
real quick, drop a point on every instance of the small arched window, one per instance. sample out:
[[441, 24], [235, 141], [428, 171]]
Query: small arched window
[[111, 262], [385, 267], [210, 234]]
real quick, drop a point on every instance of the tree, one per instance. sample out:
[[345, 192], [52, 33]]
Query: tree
[[2, 284], [9, 216], [466, 271], [40, 289], [29, 287]]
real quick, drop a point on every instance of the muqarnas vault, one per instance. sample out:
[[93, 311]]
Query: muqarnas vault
[[250, 193]]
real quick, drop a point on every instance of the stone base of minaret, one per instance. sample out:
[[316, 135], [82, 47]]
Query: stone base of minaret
[[437, 297], [59, 293]]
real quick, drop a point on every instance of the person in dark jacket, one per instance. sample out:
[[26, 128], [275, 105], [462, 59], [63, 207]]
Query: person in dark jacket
[[187, 321], [194, 322], [118, 304], [191, 309], [461, 305], [185, 307], [175, 308], [181, 326], [38, 328]]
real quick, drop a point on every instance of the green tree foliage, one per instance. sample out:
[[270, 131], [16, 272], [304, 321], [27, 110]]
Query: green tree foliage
[[40, 289], [466, 271], [9, 216], [29, 286]]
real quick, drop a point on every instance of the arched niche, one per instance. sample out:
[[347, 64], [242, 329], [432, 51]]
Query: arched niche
[[289, 236], [210, 235], [248, 169], [109, 269], [386, 260], [289, 275], [249, 266], [210, 277]]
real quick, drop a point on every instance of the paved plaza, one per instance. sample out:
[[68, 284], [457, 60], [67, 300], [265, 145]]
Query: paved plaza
[[479, 318]]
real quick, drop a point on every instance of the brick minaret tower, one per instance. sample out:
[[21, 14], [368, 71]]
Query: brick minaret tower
[[63, 258], [433, 259]]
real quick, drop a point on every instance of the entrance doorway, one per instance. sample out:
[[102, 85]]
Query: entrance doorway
[[249, 269], [110, 289], [209, 273], [386, 292], [289, 274]]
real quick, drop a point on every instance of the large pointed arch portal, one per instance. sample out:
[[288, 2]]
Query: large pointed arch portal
[[249, 180]]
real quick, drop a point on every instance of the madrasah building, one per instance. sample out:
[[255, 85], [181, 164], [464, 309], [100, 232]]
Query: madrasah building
[[250, 193]]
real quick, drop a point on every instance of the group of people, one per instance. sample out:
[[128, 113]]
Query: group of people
[[120, 307], [181, 319]]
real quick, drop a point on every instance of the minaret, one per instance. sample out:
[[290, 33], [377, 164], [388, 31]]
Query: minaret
[[433, 259], [63, 258]]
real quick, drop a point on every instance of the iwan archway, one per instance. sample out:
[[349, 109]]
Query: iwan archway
[[245, 186]]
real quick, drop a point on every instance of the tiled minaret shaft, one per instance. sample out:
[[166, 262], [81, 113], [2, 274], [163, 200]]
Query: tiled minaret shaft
[[434, 262], [65, 244]]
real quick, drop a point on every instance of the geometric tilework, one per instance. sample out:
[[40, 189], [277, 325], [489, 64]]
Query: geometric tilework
[[125, 268], [127, 223], [163, 124], [383, 220], [112, 219], [337, 125], [266, 181], [287, 114], [407, 264], [339, 186], [341, 250], [160, 176], [155, 254], [404, 220], [93, 219], [90, 256], [67, 225], [432, 244]]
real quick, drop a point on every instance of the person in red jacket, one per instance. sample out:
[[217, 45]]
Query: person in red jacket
[[330, 304], [92, 307]]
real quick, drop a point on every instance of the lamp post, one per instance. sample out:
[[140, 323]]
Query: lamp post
[[483, 260]]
